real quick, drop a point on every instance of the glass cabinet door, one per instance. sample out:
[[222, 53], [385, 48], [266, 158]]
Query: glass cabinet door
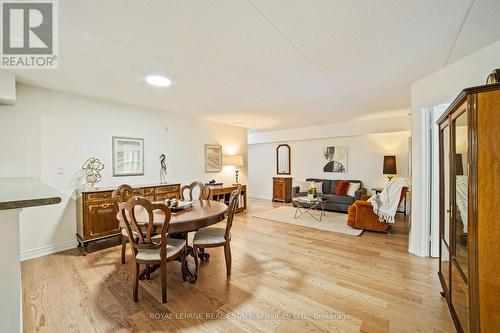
[[444, 264], [460, 209], [459, 219]]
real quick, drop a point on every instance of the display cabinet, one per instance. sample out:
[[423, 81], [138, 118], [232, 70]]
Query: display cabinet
[[469, 265]]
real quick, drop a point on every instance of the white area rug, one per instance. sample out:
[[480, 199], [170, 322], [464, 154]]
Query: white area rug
[[334, 222]]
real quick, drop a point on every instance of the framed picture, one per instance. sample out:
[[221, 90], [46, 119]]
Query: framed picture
[[335, 159], [128, 156], [213, 158]]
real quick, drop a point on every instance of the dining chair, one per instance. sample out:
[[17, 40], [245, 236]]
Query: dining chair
[[216, 237], [204, 191], [120, 196], [149, 249]]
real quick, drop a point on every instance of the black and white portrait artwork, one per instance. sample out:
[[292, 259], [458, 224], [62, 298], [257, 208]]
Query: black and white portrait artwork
[[335, 159]]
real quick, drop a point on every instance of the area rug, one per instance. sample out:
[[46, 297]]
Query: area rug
[[333, 222]]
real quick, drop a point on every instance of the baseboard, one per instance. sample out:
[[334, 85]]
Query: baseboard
[[260, 196], [46, 250]]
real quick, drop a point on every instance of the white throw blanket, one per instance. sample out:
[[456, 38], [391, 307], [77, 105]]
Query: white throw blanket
[[462, 199], [386, 203]]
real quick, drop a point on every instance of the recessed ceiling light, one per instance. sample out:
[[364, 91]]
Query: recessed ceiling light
[[158, 81]]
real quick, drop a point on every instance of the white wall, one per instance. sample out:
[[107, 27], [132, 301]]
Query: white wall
[[441, 86], [396, 123], [7, 88], [49, 131], [365, 160]]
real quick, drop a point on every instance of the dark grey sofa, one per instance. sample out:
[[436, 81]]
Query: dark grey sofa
[[337, 203]]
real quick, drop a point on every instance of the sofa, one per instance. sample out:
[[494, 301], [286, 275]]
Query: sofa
[[334, 202]]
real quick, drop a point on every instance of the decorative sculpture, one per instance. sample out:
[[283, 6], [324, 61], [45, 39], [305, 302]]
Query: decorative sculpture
[[163, 169], [91, 168]]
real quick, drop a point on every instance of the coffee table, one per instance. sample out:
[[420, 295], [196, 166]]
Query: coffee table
[[309, 205]]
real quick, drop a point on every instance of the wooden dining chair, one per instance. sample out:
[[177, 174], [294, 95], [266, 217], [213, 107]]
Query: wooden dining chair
[[216, 237], [187, 191], [120, 197], [149, 249]]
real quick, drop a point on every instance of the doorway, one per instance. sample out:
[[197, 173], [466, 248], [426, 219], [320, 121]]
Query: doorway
[[434, 113]]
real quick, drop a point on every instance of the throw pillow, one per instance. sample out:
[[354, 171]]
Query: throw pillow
[[303, 186], [345, 188], [353, 187], [319, 187], [340, 188]]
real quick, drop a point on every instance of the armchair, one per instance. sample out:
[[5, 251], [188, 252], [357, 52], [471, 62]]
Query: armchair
[[360, 215]]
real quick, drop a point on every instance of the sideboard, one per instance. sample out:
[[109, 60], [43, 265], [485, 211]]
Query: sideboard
[[96, 212]]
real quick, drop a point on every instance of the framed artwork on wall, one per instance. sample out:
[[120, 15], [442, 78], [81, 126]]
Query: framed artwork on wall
[[335, 159], [128, 156], [213, 158]]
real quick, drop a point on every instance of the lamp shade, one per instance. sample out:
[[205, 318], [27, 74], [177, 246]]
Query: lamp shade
[[390, 165], [233, 160]]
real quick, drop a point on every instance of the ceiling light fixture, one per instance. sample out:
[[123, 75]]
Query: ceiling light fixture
[[158, 81]]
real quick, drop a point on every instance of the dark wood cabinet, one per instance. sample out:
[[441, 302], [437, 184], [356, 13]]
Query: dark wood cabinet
[[282, 189], [96, 212], [469, 264]]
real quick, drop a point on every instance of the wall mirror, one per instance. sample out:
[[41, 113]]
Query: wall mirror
[[283, 160]]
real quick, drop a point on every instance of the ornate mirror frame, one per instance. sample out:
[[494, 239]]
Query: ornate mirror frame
[[283, 147]]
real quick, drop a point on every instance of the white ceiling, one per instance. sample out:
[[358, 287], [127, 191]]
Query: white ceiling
[[263, 64]]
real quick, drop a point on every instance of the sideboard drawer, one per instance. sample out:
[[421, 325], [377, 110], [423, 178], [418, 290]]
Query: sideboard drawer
[[167, 188], [149, 191], [139, 192], [98, 196], [163, 196]]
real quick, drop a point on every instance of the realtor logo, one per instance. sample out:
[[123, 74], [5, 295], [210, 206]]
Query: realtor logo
[[29, 35]]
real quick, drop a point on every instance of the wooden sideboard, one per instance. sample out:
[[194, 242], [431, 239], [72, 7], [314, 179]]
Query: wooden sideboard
[[96, 212], [222, 194], [282, 189]]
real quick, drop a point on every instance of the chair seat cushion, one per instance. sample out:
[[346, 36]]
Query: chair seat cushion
[[174, 246], [209, 236]]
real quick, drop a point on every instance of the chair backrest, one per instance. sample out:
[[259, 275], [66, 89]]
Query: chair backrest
[[144, 227], [122, 193], [231, 210], [204, 191], [120, 196], [403, 194]]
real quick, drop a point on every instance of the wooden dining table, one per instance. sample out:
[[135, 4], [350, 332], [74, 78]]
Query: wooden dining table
[[201, 214]]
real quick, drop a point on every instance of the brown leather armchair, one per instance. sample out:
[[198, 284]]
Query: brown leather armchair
[[360, 215]]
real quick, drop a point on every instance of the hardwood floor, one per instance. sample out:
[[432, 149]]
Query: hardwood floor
[[284, 279]]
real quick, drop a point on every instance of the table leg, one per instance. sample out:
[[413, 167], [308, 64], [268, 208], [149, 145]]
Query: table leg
[[203, 255], [312, 206]]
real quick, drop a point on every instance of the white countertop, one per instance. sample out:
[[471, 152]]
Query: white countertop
[[25, 192]]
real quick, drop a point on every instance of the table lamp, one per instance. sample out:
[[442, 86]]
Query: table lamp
[[389, 166], [236, 161]]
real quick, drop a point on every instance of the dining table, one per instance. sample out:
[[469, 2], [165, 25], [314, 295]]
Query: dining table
[[200, 214]]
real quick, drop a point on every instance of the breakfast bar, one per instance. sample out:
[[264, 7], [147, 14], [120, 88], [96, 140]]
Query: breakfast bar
[[16, 194]]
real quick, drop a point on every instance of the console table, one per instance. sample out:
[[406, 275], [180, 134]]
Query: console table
[[96, 211], [222, 194]]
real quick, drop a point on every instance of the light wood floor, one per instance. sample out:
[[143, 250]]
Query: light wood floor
[[283, 278]]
